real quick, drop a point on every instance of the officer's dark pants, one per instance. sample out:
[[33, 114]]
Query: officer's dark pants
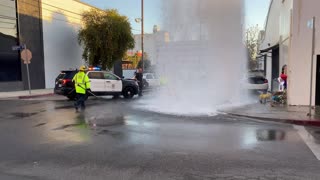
[[80, 102], [140, 88]]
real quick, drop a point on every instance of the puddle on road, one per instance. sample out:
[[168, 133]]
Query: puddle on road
[[40, 124], [23, 115], [111, 133], [66, 126], [64, 107], [270, 135]]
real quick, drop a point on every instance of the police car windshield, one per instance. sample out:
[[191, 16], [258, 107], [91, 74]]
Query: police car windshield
[[66, 74]]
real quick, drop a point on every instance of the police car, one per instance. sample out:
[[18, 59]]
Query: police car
[[102, 84]]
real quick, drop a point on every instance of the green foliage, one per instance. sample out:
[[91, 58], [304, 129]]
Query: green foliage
[[252, 44], [134, 59], [252, 41], [106, 36]]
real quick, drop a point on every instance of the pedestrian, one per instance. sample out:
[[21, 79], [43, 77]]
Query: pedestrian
[[139, 78], [82, 84], [284, 76]]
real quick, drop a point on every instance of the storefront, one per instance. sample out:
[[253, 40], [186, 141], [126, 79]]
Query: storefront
[[49, 28], [10, 66]]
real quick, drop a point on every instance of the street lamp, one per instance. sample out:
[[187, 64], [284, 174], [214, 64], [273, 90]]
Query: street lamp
[[141, 20]]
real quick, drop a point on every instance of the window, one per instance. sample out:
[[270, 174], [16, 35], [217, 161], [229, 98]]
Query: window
[[8, 18], [110, 76], [95, 75], [10, 69], [149, 76], [70, 74], [60, 76]]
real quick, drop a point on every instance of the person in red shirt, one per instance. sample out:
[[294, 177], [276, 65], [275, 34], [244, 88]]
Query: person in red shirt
[[284, 76]]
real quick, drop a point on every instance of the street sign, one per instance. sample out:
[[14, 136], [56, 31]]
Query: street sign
[[17, 48], [310, 24], [26, 56]]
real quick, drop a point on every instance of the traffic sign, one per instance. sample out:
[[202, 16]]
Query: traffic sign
[[26, 56]]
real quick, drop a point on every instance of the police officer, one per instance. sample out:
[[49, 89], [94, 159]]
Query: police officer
[[82, 84], [139, 78]]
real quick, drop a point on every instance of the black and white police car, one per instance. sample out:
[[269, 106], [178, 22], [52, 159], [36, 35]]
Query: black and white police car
[[102, 84]]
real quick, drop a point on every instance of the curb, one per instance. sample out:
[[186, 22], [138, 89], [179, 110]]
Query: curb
[[35, 96], [315, 123]]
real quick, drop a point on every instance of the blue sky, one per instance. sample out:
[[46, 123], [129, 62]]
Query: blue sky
[[256, 11]]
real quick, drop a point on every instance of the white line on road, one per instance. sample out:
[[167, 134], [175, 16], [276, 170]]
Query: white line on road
[[309, 140]]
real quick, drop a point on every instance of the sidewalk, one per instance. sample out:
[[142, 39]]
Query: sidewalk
[[291, 114], [25, 94]]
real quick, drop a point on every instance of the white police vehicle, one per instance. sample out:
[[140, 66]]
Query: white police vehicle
[[102, 84]]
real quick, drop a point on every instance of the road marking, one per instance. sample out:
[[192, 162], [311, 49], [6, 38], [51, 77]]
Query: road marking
[[309, 140]]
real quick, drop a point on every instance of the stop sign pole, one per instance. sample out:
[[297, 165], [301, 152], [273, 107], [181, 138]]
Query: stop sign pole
[[28, 72], [27, 59]]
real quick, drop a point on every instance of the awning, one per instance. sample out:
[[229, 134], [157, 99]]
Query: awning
[[269, 48]]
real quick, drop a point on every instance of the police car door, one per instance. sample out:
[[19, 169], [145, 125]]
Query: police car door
[[97, 81], [114, 82]]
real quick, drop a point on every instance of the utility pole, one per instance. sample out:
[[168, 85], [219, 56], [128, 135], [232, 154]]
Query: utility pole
[[142, 34]]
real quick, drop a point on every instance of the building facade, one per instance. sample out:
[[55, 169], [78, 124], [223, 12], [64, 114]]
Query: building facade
[[151, 43], [288, 34], [49, 28], [275, 40]]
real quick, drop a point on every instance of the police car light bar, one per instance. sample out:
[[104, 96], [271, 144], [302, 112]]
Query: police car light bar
[[94, 69]]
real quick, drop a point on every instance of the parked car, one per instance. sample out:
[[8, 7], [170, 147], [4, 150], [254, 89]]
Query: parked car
[[256, 82], [102, 83], [150, 80]]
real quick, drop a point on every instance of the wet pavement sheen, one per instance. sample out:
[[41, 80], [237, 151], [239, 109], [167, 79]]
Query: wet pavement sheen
[[111, 140]]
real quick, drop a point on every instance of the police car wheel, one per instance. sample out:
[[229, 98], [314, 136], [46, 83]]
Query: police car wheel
[[128, 93]]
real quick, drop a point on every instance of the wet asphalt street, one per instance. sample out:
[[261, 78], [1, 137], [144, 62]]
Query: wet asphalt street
[[45, 139]]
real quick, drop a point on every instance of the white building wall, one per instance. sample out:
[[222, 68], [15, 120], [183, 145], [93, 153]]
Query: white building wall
[[61, 23], [300, 56], [148, 45], [284, 32], [271, 36], [277, 31], [151, 44]]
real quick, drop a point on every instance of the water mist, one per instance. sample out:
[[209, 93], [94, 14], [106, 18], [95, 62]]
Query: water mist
[[203, 62]]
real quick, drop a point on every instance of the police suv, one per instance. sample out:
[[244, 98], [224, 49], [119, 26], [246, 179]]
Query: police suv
[[102, 84]]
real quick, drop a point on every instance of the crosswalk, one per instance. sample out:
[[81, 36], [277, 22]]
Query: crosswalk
[[309, 140]]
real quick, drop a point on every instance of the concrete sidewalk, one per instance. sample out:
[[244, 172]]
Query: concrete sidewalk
[[25, 94], [287, 114]]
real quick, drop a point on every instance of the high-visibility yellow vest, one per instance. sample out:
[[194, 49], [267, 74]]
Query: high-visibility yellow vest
[[81, 82]]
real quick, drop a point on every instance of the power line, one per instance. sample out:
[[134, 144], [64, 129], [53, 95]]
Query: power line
[[11, 7], [7, 27], [6, 22], [54, 11], [57, 7], [68, 16], [61, 20], [7, 17]]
